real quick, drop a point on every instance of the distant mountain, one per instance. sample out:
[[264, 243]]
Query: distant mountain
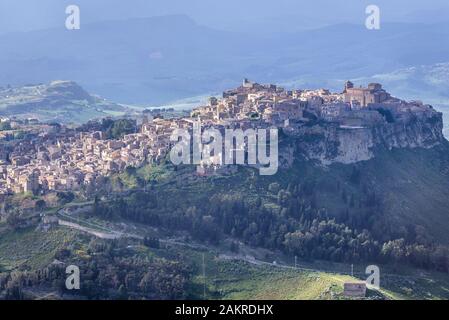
[[140, 60], [160, 59], [251, 15], [63, 101]]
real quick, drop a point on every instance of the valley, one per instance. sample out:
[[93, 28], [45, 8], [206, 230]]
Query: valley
[[204, 159], [362, 180]]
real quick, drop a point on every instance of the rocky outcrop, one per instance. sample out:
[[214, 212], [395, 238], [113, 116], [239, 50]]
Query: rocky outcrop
[[334, 143]]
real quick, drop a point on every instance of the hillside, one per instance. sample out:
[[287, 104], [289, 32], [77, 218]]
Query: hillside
[[61, 101], [34, 250], [387, 210], [411, 186], [346, 193]]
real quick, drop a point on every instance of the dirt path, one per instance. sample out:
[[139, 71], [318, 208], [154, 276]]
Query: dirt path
[[96, 233], [103, 232]]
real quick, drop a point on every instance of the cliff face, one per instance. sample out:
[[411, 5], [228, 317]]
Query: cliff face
[[334, 143]]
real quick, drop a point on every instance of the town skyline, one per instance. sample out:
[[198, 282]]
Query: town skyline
[[62, 158]]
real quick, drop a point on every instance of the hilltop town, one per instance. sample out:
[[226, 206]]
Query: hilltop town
[[52, 157]]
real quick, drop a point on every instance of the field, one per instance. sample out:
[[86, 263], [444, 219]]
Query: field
[[32, 249], [237, 279], [225, 277]]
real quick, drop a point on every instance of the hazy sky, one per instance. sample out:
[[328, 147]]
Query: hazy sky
[[24, 15]]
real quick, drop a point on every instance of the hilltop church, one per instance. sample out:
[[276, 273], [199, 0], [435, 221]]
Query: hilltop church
[[364, 96]]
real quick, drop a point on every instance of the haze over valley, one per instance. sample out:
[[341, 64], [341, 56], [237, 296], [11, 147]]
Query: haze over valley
[[224, 150]]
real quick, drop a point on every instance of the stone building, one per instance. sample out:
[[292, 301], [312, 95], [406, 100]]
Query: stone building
[[364, 96], [355, 289]]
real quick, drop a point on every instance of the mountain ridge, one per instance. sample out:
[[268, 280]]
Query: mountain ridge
[[156, 60], [59, 100]]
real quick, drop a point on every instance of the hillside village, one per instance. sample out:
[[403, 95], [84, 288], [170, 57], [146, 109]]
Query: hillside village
[[57, 157]]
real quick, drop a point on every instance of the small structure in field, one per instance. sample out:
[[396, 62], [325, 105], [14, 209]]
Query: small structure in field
[[355, 289]]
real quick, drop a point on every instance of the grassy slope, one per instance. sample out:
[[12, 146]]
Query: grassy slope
[[297, 285], [225, 279], [416, 186], [233, 279], [413, 184], [31, 248], [261, 283]]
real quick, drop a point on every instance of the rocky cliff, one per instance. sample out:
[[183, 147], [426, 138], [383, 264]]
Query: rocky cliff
[[335, 143]]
